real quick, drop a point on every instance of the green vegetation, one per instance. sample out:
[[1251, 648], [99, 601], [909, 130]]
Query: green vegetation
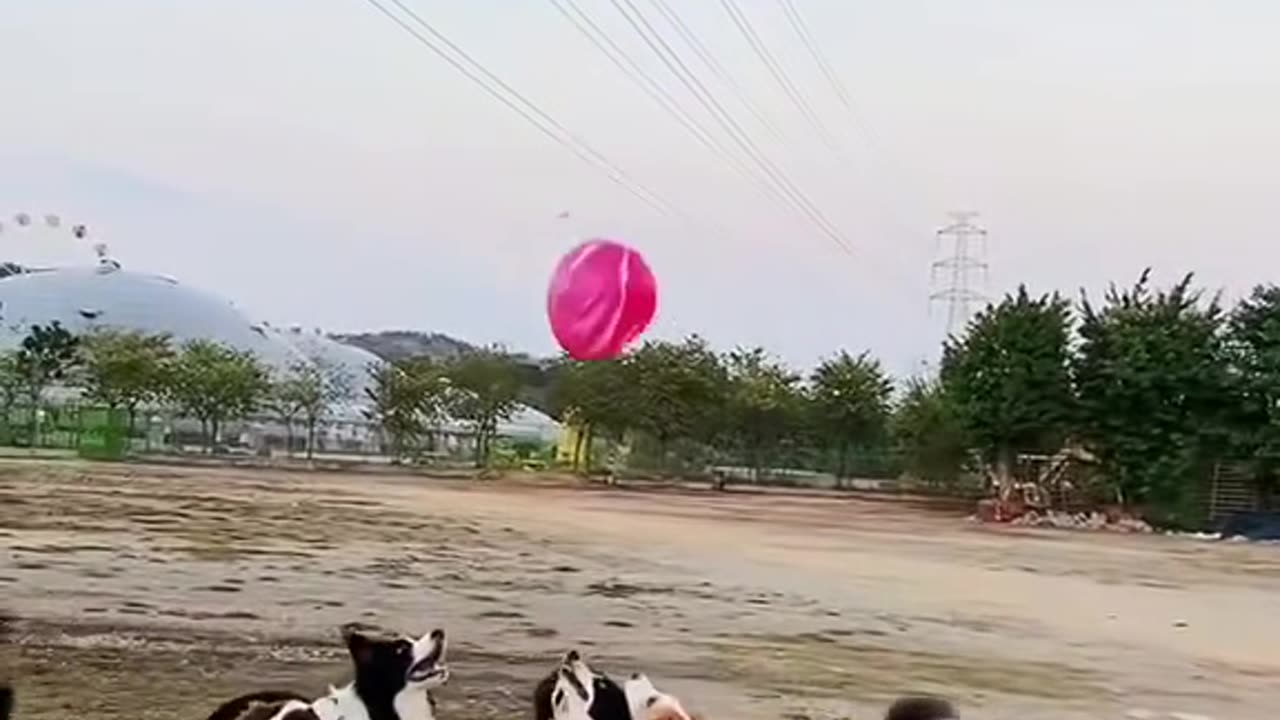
[[484, 389], [1007, 380], [1156, 384], [214, 383], [850, 406], [123, 370], [307, 393], [1156, 391], [407, 400], [46, 355]]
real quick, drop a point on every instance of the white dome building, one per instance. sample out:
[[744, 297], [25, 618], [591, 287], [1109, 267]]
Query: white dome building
[[85, 297], [526, 423], [82, 299], [351, 361]]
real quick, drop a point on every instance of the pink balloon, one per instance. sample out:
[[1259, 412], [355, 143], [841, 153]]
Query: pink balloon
[[602, 297]]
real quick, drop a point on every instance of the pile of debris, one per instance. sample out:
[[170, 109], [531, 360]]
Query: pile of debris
[[1095, 520]]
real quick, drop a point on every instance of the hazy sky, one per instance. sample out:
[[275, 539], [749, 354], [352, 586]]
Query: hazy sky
[[314, 163]]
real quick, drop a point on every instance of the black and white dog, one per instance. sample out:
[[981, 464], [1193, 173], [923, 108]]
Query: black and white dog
[[394, 677], [575, 691]]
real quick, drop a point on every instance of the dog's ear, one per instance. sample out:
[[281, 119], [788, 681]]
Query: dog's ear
[[542, 707], [358, 644]]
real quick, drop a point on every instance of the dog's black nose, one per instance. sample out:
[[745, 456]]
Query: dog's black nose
[[572, 656], [635, 676], [437, 634]]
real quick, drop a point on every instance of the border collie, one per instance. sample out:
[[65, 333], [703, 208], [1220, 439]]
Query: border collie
[[648, 703], [394, 676], [576, 691]]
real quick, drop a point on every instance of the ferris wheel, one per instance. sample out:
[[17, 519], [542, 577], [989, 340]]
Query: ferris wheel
[[31, 242]]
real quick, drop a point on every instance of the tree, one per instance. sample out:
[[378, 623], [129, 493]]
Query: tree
[[433, 392], [1155, 391], [407, 398], [850, 404], [762, 406], [486, 391], [285, 400], [1008, 379], [596, 397], [125, 369], [1254, 345], [928, 434], [394, 407], [678, 390], [215, 383], [47, 354], [318, 386], [11, 386]]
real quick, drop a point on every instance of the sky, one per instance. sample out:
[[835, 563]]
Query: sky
[[313, 162]]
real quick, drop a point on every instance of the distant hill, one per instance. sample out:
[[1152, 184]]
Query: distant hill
[[391, 345]]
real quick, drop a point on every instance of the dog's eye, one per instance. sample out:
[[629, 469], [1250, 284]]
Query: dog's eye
[[403, 648], [558, 699]]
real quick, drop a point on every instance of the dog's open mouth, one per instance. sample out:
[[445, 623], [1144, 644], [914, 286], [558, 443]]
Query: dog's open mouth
[[431, 665], [428, 668]]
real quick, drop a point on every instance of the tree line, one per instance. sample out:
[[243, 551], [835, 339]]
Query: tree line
[[127, 371], [1158, 384], [1155, 384]]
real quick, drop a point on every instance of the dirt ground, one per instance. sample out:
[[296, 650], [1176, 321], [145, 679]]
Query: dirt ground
[[149, 592]]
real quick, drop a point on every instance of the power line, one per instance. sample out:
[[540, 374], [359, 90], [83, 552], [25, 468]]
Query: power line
[[968, 245], [779, 74], [619, 57], [654, 89], [677, 67], [797, 21], [522, 106], [708, 58], [701, 50], [802, 30], [859, 120]]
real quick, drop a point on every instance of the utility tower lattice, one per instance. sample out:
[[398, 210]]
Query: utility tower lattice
[[964, 268]]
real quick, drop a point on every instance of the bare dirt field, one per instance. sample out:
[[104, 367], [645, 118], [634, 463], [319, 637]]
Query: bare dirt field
[[149, 592]]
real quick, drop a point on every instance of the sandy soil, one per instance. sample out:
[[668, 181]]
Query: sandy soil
[[147, 592]]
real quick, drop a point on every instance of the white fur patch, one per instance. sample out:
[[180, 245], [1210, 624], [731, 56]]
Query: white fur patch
[[646, 702], [343, 703], [291, 706]]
